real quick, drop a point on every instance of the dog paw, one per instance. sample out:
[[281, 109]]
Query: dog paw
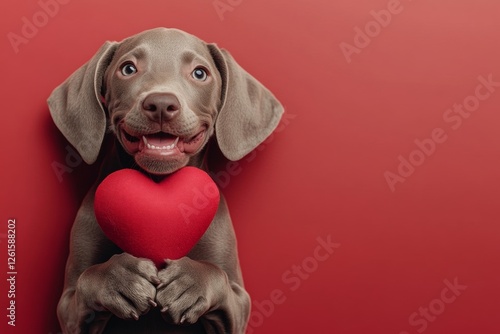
[[124, 285], [188, 290]]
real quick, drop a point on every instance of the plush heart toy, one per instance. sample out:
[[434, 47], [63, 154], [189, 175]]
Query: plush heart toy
[[153, 220]]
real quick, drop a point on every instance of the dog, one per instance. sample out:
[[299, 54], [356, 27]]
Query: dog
[[164, 97]]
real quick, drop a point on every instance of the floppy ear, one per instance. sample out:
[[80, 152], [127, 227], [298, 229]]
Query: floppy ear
[[76, 108], [249, 112]]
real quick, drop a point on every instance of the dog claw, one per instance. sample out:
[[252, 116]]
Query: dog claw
[[134, 315], [183, 319], [165, 309], [152, 302]]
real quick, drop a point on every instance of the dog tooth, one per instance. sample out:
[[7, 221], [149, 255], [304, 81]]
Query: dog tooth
[[166, 147]]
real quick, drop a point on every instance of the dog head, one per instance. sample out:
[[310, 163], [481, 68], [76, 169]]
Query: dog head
[[164, 93]]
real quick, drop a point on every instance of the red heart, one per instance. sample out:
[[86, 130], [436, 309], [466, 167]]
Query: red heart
[[152, 220]]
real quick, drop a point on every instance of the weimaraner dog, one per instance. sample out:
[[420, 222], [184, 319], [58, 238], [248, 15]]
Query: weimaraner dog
[[160, 85]]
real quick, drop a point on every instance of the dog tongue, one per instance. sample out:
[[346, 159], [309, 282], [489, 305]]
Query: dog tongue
[[161, 139]]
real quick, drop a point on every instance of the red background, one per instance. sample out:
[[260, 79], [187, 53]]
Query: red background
[[322, 174]]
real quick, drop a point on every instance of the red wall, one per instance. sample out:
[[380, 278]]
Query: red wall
[[389, 152]]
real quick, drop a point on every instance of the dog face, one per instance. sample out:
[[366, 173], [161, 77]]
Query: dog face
[[164, 93]]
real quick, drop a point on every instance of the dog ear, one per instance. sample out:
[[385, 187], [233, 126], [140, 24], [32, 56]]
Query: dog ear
[[75, 105], [249, 112]]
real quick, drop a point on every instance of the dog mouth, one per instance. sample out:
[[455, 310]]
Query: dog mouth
[[162, 143]]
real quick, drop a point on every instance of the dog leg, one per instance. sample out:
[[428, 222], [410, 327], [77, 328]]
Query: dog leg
[[98, 283]]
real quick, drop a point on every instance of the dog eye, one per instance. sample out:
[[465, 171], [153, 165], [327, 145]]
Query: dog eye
[[199, 74], [128, 69]]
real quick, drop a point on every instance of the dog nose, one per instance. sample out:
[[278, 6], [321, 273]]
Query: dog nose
[[161, 106]]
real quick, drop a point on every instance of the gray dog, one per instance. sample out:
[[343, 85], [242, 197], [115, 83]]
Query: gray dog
[[164, 94]]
